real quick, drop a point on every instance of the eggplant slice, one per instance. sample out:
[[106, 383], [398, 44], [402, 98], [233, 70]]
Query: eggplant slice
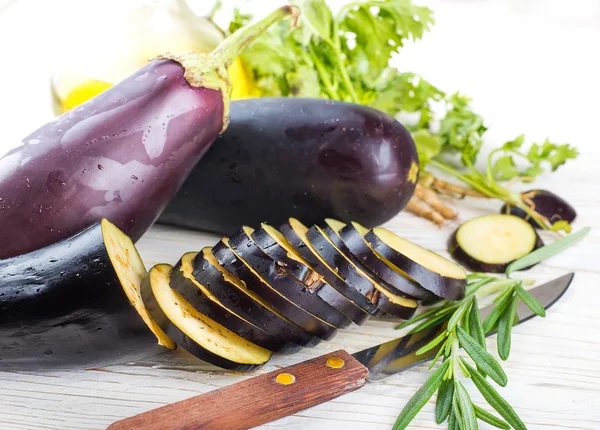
[[295, 233], [286, 285], [437, 274], [195, 332], [547, 204], [386, 301], [253, 282], [233, 294], [77, 304], [490, 243], [273, 243], [200, 297], [352, 236]]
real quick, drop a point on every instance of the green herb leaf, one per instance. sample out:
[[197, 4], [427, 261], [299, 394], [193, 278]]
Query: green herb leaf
[[435, 342], [460, 312], [547, 251], [491, 419], [428, 145], [494, 315], [531, 302], [421, 397], [505, 324], [466, 407], [444, 401], [439, 310], [475, 326], [318, 16], [452, 425], [495, 400], [482, 358], [504, 168], [436, 320]]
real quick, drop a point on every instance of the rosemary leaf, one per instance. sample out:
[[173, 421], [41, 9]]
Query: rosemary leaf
[[495, 400], [547, 251], [430, 322], [475, 326], [457, 316], [466, 407], [505, 324], [424, 315], [421, 397], [444, 401], [491, 419], [435, 342], [492, 318], [482, 358], [435, 359], [531, 302], [452, 421]]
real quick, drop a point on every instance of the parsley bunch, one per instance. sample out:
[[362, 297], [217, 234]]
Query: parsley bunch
[[346, 56]]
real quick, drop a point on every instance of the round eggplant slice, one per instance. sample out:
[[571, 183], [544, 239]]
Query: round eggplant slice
[[352, 236], [273, 243], [295, 233], [233, 294], [547, 204], [384, 300], [200, 297], [439, 275], [195, 332], [286, 285], [76, 304], [253, 282], [490, 243]]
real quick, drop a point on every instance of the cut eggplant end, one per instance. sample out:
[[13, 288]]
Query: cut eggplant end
[[545, 203], [200, 335], [490, 243], [131, 271], [433, 272]]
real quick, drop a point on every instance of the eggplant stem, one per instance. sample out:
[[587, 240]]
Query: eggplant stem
[[234, 45]]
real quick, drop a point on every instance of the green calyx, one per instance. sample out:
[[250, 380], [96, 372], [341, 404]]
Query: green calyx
[[210, 70]]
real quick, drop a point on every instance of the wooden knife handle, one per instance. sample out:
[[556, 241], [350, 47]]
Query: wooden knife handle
[[258, 400]]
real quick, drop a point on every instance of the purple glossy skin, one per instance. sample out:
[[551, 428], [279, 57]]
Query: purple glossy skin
[[309, 159], [122, 156]]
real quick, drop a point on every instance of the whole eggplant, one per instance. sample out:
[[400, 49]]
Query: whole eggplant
[[305, 158], [123, 154]]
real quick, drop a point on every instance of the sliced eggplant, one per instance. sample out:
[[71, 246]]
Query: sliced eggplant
[[547, 204], [76, 304], [383, 299], [352, 236], [200, 297], [233, 294], [253, 282], [490, 243], [442, 277], [286, 285], [365, 255], [195, 332], [295, 233], [272, 242]]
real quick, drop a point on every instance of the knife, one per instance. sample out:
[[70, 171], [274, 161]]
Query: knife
[[283, 392]]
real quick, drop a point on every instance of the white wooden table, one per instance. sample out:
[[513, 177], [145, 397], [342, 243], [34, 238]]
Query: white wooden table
[[530, 66]]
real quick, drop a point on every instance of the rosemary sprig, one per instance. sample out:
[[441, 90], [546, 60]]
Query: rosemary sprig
[[463, 338]]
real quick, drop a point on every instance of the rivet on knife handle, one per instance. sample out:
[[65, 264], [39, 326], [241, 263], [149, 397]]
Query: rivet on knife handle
[[258, 400]]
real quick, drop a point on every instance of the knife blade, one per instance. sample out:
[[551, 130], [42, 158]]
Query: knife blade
[[283, 392], [399, 354]]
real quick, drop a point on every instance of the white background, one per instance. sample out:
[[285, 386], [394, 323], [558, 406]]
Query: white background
[[531, 66]]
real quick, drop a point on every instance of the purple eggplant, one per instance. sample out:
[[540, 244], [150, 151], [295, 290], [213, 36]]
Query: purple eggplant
[[123, 154], [552, 207], [309, 159]]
